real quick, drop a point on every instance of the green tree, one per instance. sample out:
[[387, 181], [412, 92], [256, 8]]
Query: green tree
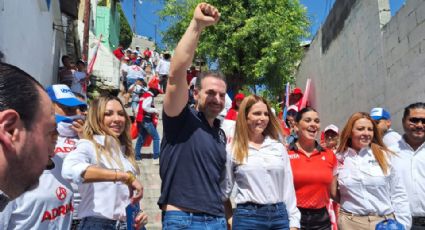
[[126, 35], [256, 41]]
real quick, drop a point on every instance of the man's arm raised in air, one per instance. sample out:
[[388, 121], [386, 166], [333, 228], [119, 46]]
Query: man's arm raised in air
[[176, 96]]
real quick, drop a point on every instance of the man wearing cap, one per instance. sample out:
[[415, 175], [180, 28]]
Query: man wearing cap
[[27, 132], [330, 137], [70, 123], [410, 161], [295, 98], [50, 205], [383, 119], [147, 119]]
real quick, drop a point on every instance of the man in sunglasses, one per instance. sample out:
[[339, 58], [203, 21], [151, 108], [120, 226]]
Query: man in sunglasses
[[410, 161], [383, 121]]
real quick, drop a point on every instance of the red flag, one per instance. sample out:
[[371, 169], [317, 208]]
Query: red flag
[[306, 94]]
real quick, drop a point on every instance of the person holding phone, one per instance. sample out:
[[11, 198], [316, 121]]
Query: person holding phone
[[104, 167]]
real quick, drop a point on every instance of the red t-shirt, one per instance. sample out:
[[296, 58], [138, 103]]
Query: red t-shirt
[[312, 176]]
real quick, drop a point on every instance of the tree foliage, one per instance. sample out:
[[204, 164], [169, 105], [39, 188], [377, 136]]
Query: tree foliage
[[256, 41], [126, 35]]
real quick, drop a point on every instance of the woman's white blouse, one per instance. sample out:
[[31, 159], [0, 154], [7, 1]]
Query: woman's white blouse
[[265, 178], [99, 199], [365, 190]]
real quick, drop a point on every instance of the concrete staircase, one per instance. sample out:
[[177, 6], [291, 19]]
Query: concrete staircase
[[150, 177]]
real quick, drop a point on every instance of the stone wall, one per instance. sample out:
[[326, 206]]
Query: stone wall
[[373, 60]]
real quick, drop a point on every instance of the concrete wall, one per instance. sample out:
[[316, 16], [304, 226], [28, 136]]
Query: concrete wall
[[27, 37], [372, 61]]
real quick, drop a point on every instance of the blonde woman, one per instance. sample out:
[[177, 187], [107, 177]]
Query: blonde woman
[[258, 164], [103, 165], [369, 188]]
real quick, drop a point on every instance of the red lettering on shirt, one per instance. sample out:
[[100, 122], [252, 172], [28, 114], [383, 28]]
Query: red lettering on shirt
[[64, 149], [62, 210]]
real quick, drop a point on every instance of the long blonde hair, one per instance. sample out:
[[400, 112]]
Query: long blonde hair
[[241, 139], [378, 147], [94, 126]]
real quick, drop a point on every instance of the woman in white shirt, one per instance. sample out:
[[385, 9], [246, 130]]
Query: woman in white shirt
[[369, 188], [104, 167], [258, 164]]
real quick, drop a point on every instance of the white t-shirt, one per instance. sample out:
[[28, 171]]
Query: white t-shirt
[[123, 69], [138, 89], [64, 145], [77, 82], [135, 71], [163, 67], [49, 206]]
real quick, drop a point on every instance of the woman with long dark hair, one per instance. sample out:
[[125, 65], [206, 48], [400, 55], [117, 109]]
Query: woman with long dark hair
[[313, 168]]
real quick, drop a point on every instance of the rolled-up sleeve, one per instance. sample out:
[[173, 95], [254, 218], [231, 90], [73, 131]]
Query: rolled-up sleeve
[[399, 199], [289, 196], [77, 161]]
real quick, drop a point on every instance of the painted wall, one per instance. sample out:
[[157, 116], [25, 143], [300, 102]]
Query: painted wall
[[27, 37], [108, 24], [368, 60]]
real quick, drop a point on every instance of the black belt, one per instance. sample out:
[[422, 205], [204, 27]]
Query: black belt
[[418, 220], [250, 205], [312, 210]]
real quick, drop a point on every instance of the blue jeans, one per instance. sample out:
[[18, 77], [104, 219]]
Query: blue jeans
[[260, 217], [144, 129], [172, 220], [95, 223]]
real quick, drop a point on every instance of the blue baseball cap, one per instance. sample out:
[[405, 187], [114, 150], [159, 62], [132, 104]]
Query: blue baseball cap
[[63, 95], [380, 113]]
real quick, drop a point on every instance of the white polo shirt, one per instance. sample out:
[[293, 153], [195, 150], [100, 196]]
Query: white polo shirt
[[366, 190], [100, 199], [49, 206], [411, 164]]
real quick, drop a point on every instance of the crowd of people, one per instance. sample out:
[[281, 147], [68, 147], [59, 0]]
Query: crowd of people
[[69, 164]]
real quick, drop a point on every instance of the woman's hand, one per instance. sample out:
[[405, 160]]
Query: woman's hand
[[136, 191], [141, 220], [77, 126]]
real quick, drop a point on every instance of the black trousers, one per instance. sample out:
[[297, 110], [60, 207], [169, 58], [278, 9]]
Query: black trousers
[[315, 219]]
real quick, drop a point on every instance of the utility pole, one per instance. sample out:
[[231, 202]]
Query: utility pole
[[86, 30], [134, 16], [155, 33]]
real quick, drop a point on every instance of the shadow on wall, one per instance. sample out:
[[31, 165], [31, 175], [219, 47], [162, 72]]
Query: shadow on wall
[[335, 22]]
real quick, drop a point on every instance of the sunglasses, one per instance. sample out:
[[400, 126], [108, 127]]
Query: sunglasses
[[416, 120]]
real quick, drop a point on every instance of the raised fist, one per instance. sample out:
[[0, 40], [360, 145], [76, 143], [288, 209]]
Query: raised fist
[[206, 15]]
